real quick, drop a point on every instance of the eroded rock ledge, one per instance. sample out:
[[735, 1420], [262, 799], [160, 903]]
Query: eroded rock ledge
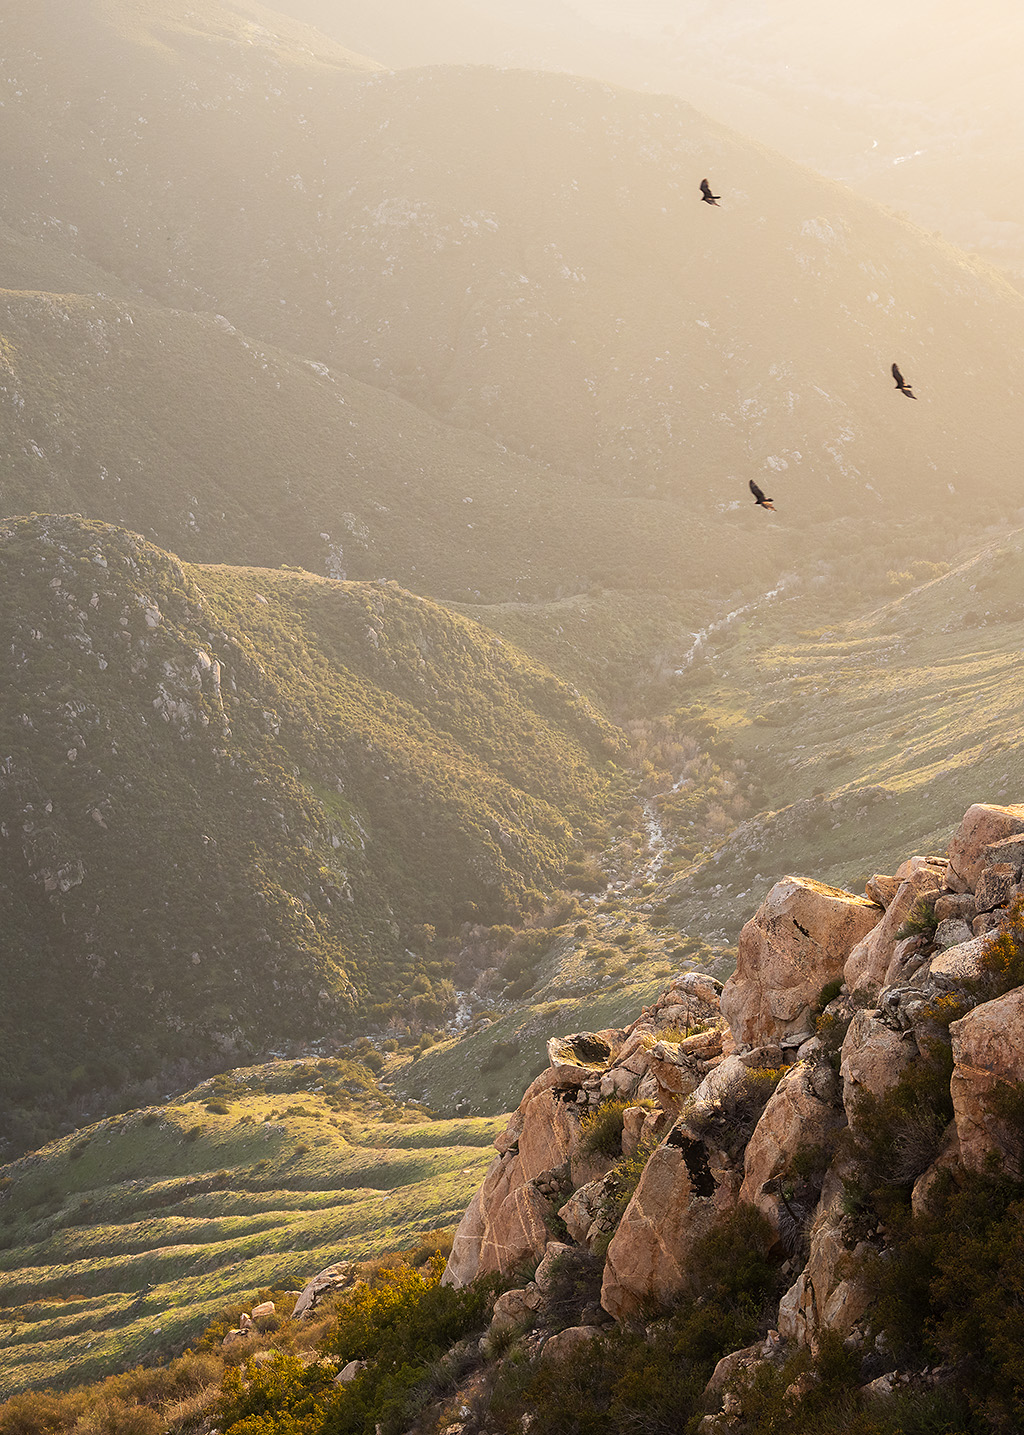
[[723, 1093]]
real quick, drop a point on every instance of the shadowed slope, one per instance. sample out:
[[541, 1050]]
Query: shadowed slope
[[230, 798]]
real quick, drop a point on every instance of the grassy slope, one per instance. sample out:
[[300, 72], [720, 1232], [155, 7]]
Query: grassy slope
[[120, 1242], [871, 736], [492, 1068], [174, 852]]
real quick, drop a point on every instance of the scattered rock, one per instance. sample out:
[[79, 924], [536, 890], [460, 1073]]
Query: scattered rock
[[572, 1341], [543, 1276], [331, 1279], [951, 932]]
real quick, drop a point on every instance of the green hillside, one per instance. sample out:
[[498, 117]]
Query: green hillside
[[237, 804], [122, 1241], [870, 734]]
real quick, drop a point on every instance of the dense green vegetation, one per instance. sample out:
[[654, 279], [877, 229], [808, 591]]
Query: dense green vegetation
[[241, 805]]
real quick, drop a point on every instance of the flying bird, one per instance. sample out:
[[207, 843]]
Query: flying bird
[[760, 499], [901, 383], [706, 195]]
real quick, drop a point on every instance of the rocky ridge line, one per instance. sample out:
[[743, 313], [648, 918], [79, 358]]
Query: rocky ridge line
[[724, 1091]]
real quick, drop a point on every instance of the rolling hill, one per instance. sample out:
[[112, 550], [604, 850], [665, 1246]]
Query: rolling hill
[[221, 448], [123, 1241], [554, 284], [237, 804]]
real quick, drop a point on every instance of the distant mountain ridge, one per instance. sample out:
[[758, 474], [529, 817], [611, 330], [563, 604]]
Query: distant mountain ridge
[[223, 448], [554, 284]]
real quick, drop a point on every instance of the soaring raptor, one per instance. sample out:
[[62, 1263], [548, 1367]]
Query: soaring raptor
[[901, 383]]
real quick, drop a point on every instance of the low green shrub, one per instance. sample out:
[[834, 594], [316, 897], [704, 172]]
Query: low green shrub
[[828, 994], [601, 1129], [921, 921], [729, 1120], [401, 1321], [574, 1284], [1003, 956], [894, 1137], [948, 1291]]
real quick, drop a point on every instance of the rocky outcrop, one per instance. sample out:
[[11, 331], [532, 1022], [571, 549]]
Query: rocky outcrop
[[671, 1207], [988, 1067], [542, 1163], [982, 827], [334, 1278], [874, 1057], [866, 966], [796, 942], [824, 1295], [778, 1163], [741, 1099]]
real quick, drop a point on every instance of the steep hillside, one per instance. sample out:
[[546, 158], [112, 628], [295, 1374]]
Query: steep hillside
[[555, 284], [789, 1204], [231, 799]]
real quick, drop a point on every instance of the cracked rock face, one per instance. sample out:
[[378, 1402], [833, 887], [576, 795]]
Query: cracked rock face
[[649, 1254], [981, 826], [797, 941], [866, 966], [988, 1057]]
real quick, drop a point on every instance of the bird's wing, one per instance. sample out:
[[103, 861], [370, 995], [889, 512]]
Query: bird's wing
[[705, 188], [897, 375], [758, 494]]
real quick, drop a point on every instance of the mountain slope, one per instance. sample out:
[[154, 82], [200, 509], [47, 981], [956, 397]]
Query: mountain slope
[[231, 799], [916, 108], [123, 1241], [869, 733], [554, 283], [222, 448]]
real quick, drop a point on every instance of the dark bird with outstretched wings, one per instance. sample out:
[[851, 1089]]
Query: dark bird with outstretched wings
[[901, 383], [760, 499], [706, 195]]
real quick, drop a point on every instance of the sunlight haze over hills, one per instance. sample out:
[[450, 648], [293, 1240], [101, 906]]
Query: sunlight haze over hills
[[397, 669]]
